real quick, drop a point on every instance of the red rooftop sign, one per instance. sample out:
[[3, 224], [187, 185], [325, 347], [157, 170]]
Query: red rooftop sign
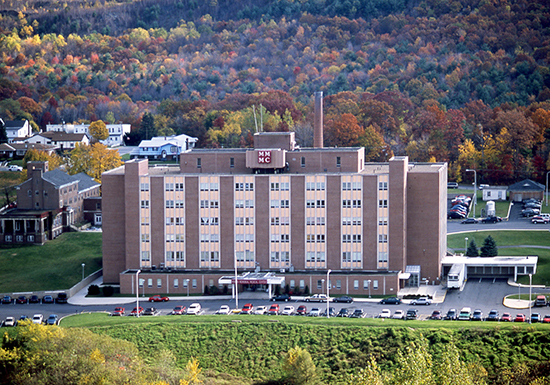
[[264, 157]]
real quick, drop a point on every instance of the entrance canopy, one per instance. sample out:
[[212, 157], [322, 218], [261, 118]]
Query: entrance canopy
[[494, 267], [252, 279]]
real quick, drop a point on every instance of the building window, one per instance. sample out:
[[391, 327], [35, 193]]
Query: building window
[[319, 284], [338, 161], [231, 162], [199, 163], [29, 193], [375, 284], [356, 284], [302, 284], [383, 203], [159, 282], [303, 161], [194, 283], [185, 283], [150, 282], [383, 186], [292, 284], [366, 283], [144, 204], [338, 284], [382, 238]]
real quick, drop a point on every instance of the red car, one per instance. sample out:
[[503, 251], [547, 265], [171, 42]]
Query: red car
[[247, 309], [274, 309], [302, 310], [119, 311], [158, 298], [134, 312], [546, 319], [520, 318], [179, 310], [506, 317]]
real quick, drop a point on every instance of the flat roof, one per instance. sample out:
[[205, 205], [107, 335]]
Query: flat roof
[[491, 261]]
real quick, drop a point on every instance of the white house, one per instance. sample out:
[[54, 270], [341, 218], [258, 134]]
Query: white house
[[61, 140], [17, 129], [116, 131], [165, 147], [494, 193]]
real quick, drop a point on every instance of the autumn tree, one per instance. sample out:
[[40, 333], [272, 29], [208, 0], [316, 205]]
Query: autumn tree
[[93, 160], [98, 130], [299, 368], [343, 131], [32, 155]]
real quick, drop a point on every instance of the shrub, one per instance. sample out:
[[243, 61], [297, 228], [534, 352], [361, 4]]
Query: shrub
[[93, 290], [108, 291]]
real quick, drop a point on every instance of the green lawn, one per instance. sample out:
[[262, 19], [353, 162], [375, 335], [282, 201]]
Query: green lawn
[[8, 179], [57, 265], [104, 320]]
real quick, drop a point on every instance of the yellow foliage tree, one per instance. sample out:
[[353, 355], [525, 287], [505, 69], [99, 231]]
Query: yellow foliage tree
[[93, 160], [193, 371], [98, 130]]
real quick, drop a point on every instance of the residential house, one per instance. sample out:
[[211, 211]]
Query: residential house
[[526, 189], [116, 131], [165, 147], [61, 140], [18, 150], [17, 129]]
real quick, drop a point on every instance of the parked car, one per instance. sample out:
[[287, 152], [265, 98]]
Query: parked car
[[13, 167], [331, 312], [436, 315], [37, 319], [455, 215], [538, 219], [398, 314], [314, 312], [135, 311], [491, 220], [411, 314], [536, 318], [47, 299], [316, 298], [541, 301], [421, 301], [6, 300], [180, 310], [546, 319], [343, 313], [273, 309], [302, 310], [452, 185], [506, 317], [34, 299], [151, 311], [344, 298], [465, 314], [62, 298], [52, 319], [247, 309], [493, 315], [22, 318], [477, 316], [119, 311], [385, 313], [469, 221], [288, 310], [391, 301], [158, 298], [194, 309], [22, 300], [358, 313], [282, 298], [530, 212], [260, 310], [451, 315], [520, 318], [10, 321]]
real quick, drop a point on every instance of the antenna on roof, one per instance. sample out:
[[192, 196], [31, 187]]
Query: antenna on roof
[[255, 120]]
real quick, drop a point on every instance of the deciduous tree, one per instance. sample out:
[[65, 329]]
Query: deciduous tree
[[93, 160], [98, 130]]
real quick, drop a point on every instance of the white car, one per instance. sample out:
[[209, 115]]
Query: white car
[[14, 167], [260, 310], [316, 298], [421, 301], [224, 309], [385, 313], [399, 314], [10, 321], [194, 309], [37, 319], [315, 312], [288, 310]]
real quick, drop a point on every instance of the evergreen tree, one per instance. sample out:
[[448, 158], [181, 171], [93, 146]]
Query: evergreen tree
[[147, 127], [472, 249], [3, 134], [489, 248]]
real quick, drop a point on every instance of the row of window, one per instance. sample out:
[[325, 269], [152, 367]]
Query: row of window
[[212, 204], [366, 284], [351, 238], [244, 187], [244, 221], [310, 238], [170, 187], [276, 203], [349, 203], [280, 186], [170, 204], [349, 186], [312, 203], [312, 186], [282, 203]]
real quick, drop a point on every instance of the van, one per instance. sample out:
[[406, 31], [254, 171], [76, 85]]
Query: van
[[541, 300], [465, 314], [545, 216]]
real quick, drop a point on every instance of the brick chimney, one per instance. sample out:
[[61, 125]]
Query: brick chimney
[[318, 121]]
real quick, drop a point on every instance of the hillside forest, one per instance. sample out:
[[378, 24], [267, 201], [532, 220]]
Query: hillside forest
[[465, 82]]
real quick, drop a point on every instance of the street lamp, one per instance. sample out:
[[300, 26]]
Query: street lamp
[[328, 290], [475, 188], [529, 303], [83, 271], [137, 292], [465, 245], [236, 285], [546, 196], [368, 284]]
